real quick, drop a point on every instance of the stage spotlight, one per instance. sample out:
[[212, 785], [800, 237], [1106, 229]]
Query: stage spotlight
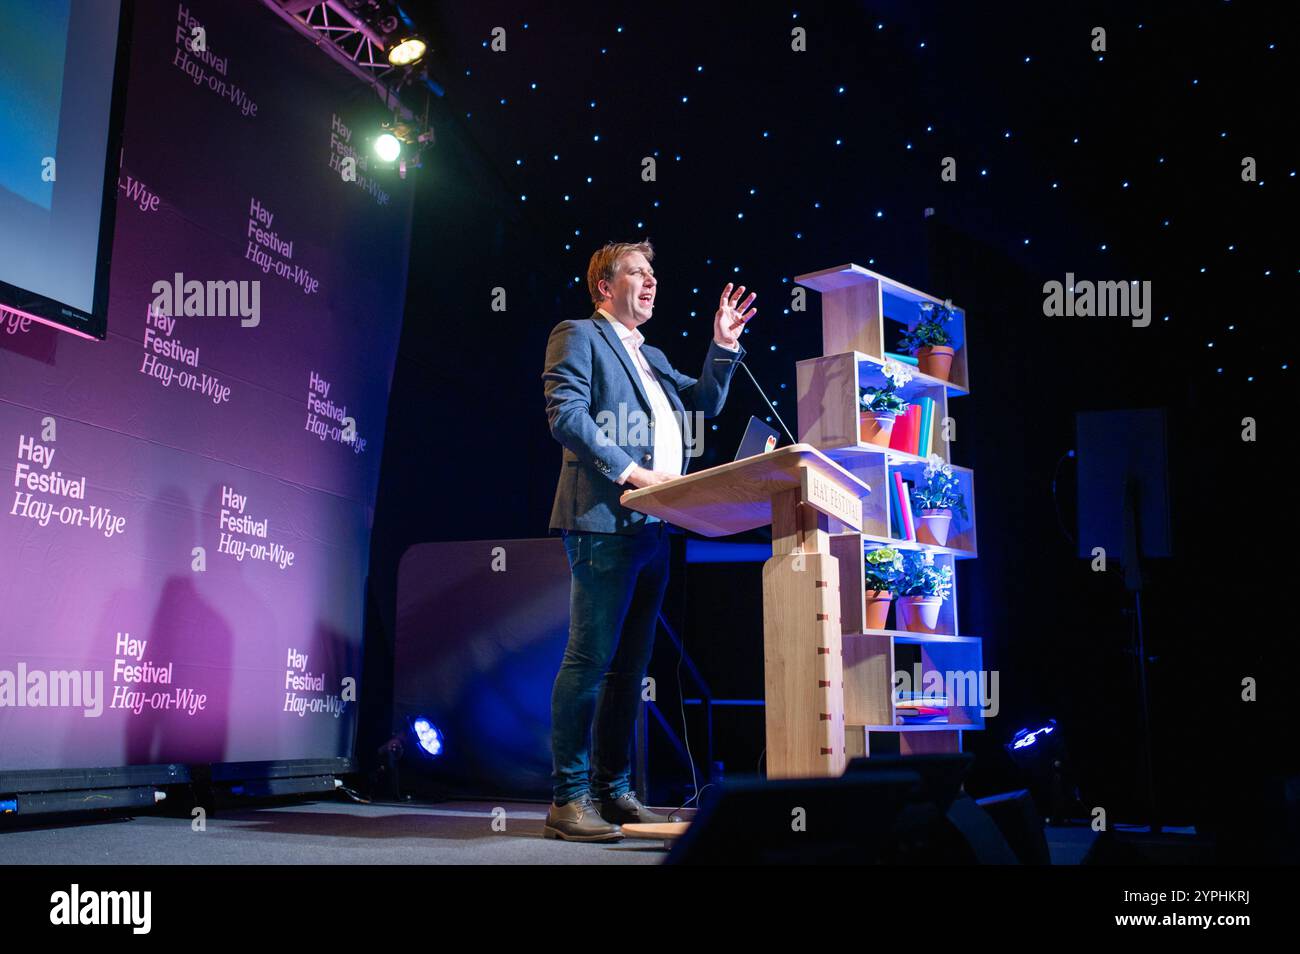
[[387, 147], [407, 51], [416, 746], [417, 138], [427, 736], [1041, 755], [1025, 738]]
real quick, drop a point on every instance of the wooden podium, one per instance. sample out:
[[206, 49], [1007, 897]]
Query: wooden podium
[[806, 497]]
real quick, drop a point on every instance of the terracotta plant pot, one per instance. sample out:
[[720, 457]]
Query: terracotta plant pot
[[877, 426], [919, 614], [878, 608], [934, 527], [935, 360]]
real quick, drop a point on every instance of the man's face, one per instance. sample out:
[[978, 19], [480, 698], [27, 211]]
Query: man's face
[[632, 293]]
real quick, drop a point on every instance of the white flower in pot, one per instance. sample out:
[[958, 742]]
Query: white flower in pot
[[937, 496], [880, 406], [922, 591]]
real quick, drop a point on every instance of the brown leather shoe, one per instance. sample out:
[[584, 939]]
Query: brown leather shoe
[[626, 809], [578, 820]]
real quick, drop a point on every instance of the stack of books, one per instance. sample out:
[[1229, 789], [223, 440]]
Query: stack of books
[[901, 520], [917, 708], [915, 430]]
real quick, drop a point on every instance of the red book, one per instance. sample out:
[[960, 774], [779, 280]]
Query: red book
[[898, 436], [904, 436], [914, 441]]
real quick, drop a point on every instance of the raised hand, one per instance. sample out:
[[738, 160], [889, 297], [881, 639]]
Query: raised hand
[[730, 320]]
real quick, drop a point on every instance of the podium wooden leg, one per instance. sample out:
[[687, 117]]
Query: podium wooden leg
[[803, 665]]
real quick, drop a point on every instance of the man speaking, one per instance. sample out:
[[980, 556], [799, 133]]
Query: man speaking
[[623, 415]]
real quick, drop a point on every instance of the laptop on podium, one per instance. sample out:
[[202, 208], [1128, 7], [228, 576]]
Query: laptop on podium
[[759, 439]]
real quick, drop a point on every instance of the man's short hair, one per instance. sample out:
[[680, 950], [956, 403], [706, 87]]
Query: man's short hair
[[604, 264]]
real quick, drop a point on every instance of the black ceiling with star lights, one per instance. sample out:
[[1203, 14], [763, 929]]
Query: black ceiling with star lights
[[1114, 164]]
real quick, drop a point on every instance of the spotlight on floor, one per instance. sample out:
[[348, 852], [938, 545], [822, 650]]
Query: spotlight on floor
[[416, 744], [428, 738], [1024, 738], [1041, 756]]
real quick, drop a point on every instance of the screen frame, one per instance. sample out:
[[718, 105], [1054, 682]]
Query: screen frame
[[91, 324]]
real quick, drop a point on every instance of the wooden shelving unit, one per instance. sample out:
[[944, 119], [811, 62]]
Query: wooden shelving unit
[[863, 313], [857, 305]]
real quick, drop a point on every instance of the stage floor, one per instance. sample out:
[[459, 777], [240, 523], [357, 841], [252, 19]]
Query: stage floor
[[333, 832], [322, 833]]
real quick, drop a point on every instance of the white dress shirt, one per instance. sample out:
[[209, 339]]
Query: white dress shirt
[[667, 427]]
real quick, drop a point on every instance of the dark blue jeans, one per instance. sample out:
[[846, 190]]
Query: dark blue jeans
[[618, 584]]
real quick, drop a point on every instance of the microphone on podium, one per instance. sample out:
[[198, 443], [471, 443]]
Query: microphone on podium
[[761, 393]]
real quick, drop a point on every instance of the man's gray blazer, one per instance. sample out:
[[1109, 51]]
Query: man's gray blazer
[[591, 386]]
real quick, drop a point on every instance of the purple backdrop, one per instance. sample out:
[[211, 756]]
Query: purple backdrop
[[121, 458]]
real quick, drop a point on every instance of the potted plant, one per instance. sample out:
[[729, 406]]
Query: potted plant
[[884, 567], [921, 591], [930, 341], [937, 496], [880, 406]]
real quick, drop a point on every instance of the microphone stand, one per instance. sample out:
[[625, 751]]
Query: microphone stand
[[758, 387]]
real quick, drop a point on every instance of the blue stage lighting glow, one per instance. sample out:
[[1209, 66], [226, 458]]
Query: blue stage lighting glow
[[1024, 738], [428, 735]]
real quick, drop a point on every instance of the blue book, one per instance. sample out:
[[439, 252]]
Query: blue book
[[898, 530], [921, 720]]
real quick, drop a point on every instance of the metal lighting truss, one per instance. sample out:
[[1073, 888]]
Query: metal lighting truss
[[347, 40]]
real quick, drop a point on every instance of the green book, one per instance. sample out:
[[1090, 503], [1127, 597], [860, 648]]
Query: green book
[[929, 427], [923, 439], [905, 358]]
